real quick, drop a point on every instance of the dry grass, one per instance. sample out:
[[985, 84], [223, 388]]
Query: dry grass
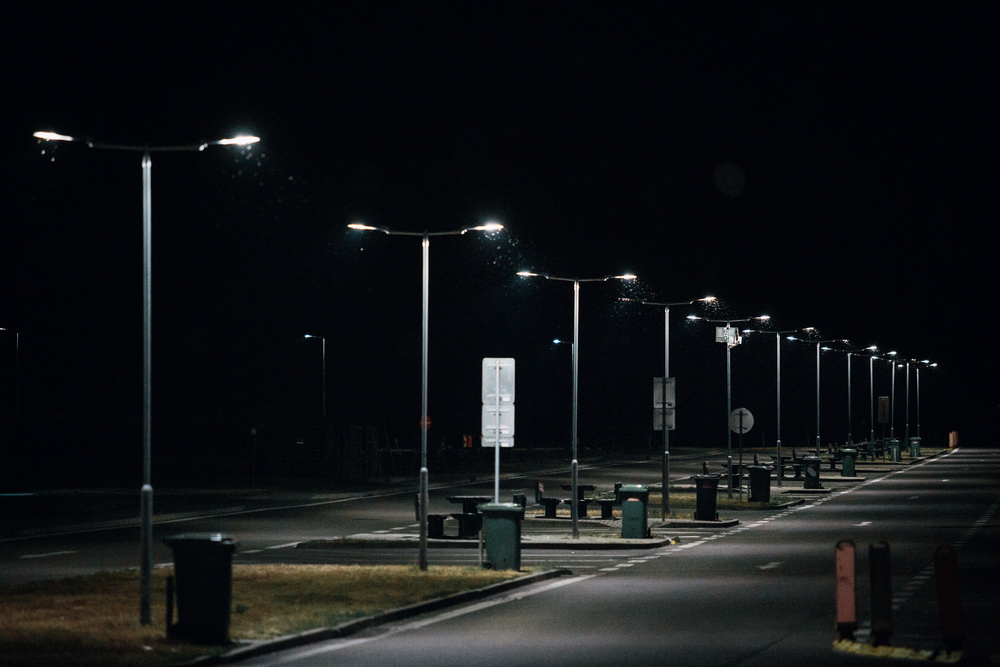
[[94, 620]]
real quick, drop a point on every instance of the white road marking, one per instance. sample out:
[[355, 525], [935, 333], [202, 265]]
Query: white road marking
[[48, 555], [283, 546]]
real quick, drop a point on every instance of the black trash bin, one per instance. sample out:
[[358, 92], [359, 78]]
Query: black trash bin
[[502, 534], [706, 500], [811, 465], [760, 484], [203, 567], [635, 510], [849, 455]]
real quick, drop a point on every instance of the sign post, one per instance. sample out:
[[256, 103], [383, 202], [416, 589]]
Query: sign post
[[498, 410], [740, 421], [663, 420]]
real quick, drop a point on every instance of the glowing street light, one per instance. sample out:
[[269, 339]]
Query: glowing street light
[[574, 507], [665, 505], [425, 243], [146, 494]]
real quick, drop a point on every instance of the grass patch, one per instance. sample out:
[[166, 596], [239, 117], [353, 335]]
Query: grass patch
[[94, 620]]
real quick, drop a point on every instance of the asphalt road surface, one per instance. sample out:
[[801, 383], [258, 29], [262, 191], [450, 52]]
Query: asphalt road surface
[[758, 594]]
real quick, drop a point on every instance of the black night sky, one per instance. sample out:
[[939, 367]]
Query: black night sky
[[831, 165]]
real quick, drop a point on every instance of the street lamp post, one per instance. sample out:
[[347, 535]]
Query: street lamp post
[[146, 494], [665, 505], [928, 364], [322, 368], [819, 349], [871, 391], [574, 507], [892, 394], [425, 243], [730, 342], [777, 345]]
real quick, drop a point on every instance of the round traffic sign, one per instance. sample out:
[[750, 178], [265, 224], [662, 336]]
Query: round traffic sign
[[740, 420]]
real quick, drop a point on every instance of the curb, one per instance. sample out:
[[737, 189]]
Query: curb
[[351, 627]]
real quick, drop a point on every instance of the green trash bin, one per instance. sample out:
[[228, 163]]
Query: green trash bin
[[811, 466], [203, 569], [893, 451], [760, 484], [502, 534], [635, 510], [706, 497], [914, 448], [848, 457]]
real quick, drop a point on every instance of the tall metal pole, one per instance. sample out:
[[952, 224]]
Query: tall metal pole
[[665, 504], [817, 399], [871, 397], [892, 402], [424, 497], [777, 342], [918, 401], [906, 432], [850, 441], [574, 507], [729, 411], [146, 494]]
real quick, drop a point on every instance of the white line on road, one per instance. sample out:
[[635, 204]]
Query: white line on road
[[51, 553], [283, 546]]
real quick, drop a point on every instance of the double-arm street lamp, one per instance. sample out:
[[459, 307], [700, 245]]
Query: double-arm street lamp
[[666, 374], [146, 494], [425, 242], [574, 507], [731, 338]]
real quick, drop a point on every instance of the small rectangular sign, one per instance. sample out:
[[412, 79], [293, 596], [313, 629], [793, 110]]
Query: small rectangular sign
[[489, 429], [660, 388], [883, 409], [658, 418], [506, 379]]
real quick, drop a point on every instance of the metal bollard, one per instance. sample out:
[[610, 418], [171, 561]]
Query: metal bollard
[[881, 592]]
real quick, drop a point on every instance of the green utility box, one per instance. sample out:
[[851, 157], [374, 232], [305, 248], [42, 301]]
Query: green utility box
[[635, 510], [706, 497], [203, 567], [914, 448], [760, 484], [847, 458], [894, 453], [811, 466], [502, 534]]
